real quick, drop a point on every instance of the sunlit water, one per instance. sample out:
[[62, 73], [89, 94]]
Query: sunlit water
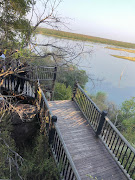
[[112, 75]]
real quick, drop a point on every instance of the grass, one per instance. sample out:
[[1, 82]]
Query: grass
[[119, 49], [74, 36], [124, 57]]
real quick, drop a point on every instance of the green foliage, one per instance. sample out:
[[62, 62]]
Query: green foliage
[[42, 61], [66, 77], [14, 25], [70, 75], [100, 99], [126, 119], [129, 123], [38, 161], [128, 108], [129, 129], [101, 96], [123, 118], [67, 35], [62, 92], [6, 145], [39, 164]]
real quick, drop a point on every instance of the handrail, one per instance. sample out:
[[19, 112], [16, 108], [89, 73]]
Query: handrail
[[48, 122], [13, 82], [48, 67], [45, 100], [28, 81], [121, 136], [89, 109], [67, 153], [119, 148], [47, 74], [88, 98], [43, 73], [117, 145], [57, 144]]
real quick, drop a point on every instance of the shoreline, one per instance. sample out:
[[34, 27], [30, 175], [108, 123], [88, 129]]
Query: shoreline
[[81, 37]]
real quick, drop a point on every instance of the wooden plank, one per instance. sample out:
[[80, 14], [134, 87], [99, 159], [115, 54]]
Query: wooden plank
[[88, 152]]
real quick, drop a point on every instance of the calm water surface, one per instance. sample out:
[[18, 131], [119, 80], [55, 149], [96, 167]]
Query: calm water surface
[[105, 69]]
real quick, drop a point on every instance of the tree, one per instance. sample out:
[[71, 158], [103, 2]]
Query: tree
[[16, 19], [129, 129], [19, 21], [113, 112], [15, 27], [62, 92], [39, 164], [10, 160], [16, 32], [100, 99], [127, 118], [128, 108], [70, 75]]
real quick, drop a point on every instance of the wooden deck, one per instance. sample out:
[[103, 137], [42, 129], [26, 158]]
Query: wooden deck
[[89, 154]]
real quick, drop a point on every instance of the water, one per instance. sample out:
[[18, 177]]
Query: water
[[118, 74], [104, 69]]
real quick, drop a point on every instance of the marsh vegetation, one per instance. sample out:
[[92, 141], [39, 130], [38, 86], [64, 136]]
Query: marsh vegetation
[[81, 37], [124, 57]]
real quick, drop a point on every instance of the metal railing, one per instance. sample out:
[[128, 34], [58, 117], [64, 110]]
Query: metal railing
[[60, 152], [118, 146], [87, 106]]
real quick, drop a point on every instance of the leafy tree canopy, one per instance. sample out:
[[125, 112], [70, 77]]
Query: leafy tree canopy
[[128, 108], [62, 92], [100, 99], [72, 74], [14, 25]]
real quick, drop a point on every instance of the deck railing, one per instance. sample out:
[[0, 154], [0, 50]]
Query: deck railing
[[43, 73], [46, 74], [118, 146], [60, 152], [46, 77], [58, 147], [10, 82], [87, 106]]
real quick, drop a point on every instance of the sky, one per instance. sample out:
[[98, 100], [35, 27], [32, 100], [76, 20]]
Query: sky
[[112, 19]]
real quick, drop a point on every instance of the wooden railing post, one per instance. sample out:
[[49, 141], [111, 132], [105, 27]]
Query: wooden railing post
[[52, 129], [53, 83], [74, 91], [101, 123], [55, 73], [36, 89]]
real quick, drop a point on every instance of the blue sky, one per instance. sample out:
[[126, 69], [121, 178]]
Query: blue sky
[[114, 19]]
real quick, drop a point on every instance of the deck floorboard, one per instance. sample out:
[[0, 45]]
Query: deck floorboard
[[89, 154]]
